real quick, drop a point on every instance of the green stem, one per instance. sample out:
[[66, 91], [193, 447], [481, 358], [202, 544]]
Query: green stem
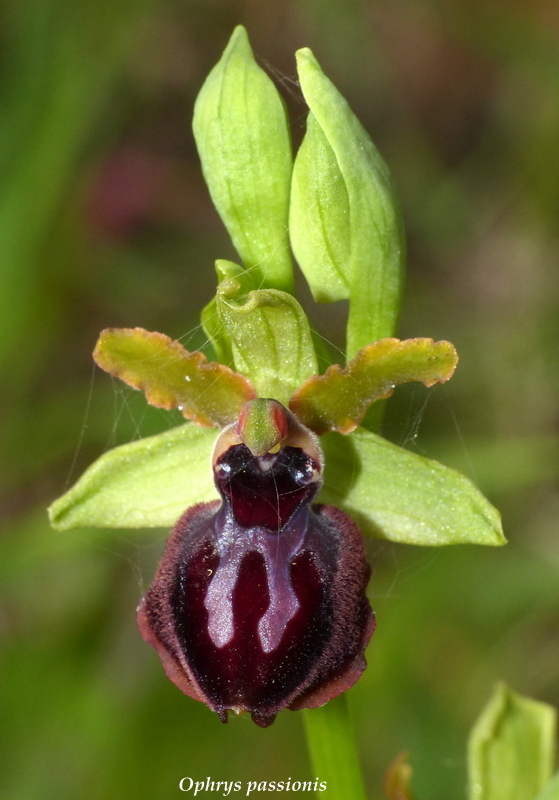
[[331, 743]]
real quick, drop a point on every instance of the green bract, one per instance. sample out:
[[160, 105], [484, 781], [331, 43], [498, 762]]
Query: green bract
[[511, 751], [345, 227]]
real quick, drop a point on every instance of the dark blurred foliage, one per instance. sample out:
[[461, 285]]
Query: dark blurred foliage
[[105, 220]]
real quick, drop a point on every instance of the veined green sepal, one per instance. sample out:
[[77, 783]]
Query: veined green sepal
[[270, 337], [345, 220], [144, 484], [242, 135], [394, 494]]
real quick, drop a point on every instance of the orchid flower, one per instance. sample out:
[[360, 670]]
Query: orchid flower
[[259, 601]]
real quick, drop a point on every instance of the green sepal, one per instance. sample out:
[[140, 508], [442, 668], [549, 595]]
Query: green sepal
[[345, 220], [388, 491], [270, 336], [339, 399], [241, 131], [511, 750], [397, 495], [319, 217], [145, 484]]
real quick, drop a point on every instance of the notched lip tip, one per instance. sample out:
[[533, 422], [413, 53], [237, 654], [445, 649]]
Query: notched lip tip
[[262, 720], [241, 711]]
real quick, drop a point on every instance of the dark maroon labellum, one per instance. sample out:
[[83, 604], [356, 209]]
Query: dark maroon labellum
[[259, 600]]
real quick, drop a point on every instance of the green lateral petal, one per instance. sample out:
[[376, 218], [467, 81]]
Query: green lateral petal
[[345, 220], [145, 484], [171, 377], [511, 751], [241, 131], [339, 399], [271, 338], [397, 495]]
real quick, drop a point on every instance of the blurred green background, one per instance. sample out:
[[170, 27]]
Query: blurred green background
[[105, 220]]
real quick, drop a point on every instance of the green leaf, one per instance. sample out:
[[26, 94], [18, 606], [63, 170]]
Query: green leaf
[[397, 495], [511, 750], [345, 221], [331, 742], [242, 135], [551, 791], [339, 399], [171, 377], [145, 484], [272, 343]]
